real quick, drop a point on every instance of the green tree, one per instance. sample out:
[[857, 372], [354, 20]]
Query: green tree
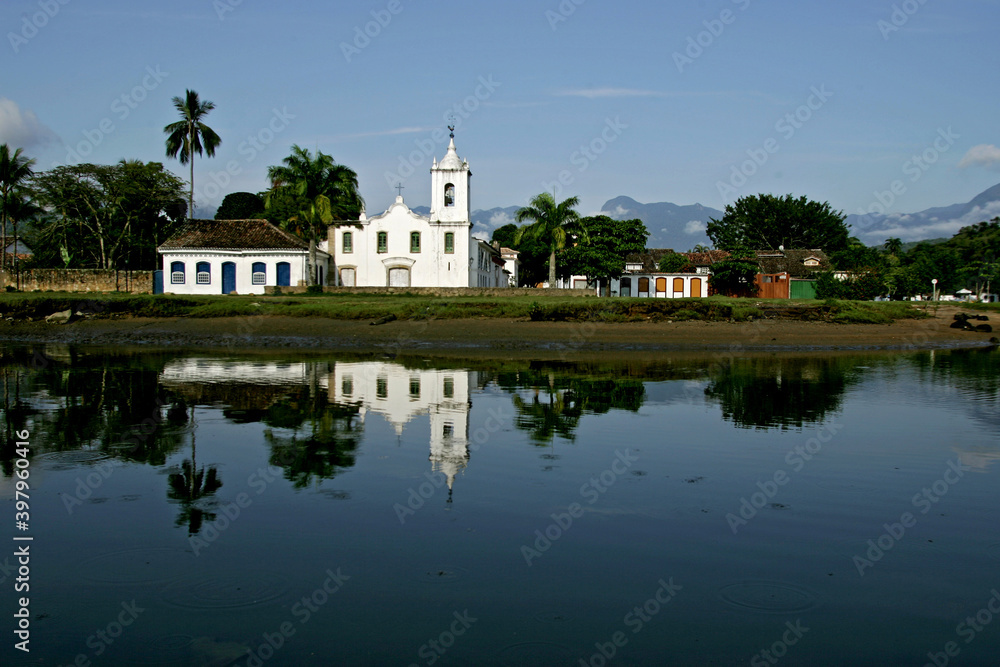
[[673, 262], [767, 222], [736, 275], [15, 170], [607, 242], [296, 186], [190, 135], [893, 246], [106, 217], [553, 224], [240, 206]]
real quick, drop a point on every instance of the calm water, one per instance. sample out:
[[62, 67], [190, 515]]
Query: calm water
[[214, 510]]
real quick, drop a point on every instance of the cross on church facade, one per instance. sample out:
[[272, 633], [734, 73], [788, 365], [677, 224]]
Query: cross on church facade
[[399, 189]]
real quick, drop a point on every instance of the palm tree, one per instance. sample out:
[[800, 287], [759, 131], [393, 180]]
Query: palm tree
[[553, 224], [14, 171], [308, 179], [893, 246], [190, 135]]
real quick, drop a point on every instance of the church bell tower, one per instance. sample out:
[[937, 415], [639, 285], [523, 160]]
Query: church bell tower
[[450, 184]]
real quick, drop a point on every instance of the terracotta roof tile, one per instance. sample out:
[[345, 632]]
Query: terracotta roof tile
[[233, 235]]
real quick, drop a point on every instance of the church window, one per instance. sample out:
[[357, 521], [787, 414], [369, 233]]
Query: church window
[[383, 242], [414, 241], [382, 387], [347, 385], [348, 242], [449, 242], [414, 387], [449, 387], [449, 195]]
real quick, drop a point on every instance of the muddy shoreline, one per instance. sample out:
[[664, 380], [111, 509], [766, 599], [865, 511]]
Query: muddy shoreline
[[493, 337]]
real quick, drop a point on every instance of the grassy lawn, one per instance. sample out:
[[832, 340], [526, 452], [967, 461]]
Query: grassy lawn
[[544, 307]]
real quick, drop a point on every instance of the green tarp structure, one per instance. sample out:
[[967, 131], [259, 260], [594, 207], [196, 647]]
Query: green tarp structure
[[802, 289]]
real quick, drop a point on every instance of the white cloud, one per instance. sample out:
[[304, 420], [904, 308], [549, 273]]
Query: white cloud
[[21, 128], [933, 229], [983, 155], [695, 227], [385, 133], [499, 219]]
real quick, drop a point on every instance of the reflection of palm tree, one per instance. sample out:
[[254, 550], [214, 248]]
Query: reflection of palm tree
[[330, 446], [547, 419], [192, 484]]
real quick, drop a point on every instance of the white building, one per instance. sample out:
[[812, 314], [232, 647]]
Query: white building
[[401, 394], [400, 248], [242, 256]]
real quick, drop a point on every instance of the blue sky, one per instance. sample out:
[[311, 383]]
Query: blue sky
[[688, 102]]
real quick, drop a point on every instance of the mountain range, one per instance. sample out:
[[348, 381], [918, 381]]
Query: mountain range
[[683, 227]]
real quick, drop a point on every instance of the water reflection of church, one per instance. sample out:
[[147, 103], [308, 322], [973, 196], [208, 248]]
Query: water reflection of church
[[400, 394]]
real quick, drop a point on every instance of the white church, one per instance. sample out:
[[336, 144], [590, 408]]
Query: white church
[[400, 248]]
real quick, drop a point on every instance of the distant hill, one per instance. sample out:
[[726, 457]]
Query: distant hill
[[683, 227], [669, 225], [937, 222]]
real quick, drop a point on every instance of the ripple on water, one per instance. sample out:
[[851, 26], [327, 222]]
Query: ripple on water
[[227, 590], [540, 654], [770, 597], [556, 617], [443, 575], [136, 566], [70, 460]]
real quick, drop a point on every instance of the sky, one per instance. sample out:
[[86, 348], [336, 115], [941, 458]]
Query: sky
[[687, 102]]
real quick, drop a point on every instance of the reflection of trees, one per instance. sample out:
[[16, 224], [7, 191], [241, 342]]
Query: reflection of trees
[[324, 436], [559, 401], [767, 392], [102, 403], [192, 484]]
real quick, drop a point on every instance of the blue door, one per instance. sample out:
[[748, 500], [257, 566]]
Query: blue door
[[284, 274], [157, 282], [228, 277]]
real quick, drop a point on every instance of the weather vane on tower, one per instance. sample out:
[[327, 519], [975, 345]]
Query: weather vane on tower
[[451, 126]]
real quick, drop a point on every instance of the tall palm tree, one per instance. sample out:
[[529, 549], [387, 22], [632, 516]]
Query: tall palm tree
[[893, 246], [190, 135], [324, 191], [553, 224], [14, 171]]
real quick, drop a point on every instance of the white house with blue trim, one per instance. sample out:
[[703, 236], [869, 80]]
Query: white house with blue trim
[[241, 256]]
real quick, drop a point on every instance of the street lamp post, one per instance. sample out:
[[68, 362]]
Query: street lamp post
[[934, 289]]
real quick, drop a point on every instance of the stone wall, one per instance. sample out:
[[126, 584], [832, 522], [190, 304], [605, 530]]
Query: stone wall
[[79, 280], [498, 292]]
